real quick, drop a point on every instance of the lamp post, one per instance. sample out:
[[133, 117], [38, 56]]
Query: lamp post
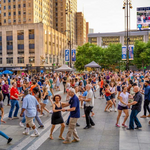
[[127, 6], [69, 12]]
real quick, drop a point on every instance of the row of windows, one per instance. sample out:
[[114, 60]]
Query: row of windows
[[14, 6], [14, 13], [14, 20], [12, 0]]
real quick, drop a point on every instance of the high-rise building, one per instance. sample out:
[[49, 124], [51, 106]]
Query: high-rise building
[[81, 29], [15, 12], [63, 19], [87, 31]]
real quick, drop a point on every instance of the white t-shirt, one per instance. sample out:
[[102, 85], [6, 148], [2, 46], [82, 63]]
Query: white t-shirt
[[48, 87], [124, 99], [90, 95]]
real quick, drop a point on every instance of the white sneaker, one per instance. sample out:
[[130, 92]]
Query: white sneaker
[[21, 124], [50, 111], [111, 109], [107, 110], [35, 135], [115, 109], [40, 115], [25, 133]]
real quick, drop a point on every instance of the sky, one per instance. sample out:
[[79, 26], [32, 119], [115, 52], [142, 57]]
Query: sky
[[108, 15]]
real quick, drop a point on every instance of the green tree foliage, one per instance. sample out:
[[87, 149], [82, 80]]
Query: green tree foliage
[[103, 56], [141, 54]]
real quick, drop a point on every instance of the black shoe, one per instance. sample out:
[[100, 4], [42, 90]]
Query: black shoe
[[93, 124], [67, 124], [138, 128], [77, 125], [129, 129], [87, 127], [41, 127], [9, 140]]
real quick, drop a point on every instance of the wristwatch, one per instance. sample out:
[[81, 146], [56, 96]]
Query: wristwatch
[[66, 110]]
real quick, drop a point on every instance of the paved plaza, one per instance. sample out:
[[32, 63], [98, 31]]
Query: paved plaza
[[104, 136]]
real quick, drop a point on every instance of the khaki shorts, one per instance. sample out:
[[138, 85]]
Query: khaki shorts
[[29, 121]]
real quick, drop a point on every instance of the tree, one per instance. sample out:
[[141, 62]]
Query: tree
[[87, 53], [141, 54]]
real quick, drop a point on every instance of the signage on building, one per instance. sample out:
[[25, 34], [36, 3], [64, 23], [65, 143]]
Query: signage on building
[[73, 54], [143, 18], [124, 52], [67, 55]]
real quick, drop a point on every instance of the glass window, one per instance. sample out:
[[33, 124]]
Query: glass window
[[0, 60], [9, 7], [9, 13], [19, 12], [14, 13], [4, 7], [4, 1], [9, 1], [20, 60], [14, 20], [4, 14], [4, 20], [24, 5], [19, 6], [31, 59], [9, 60], [14, 6]]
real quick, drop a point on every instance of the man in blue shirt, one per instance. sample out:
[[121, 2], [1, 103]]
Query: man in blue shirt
[[146, 99], [30, 105], [74, 115]]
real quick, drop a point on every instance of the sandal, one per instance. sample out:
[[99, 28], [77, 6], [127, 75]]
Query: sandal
[[61, 138], [51, 137]]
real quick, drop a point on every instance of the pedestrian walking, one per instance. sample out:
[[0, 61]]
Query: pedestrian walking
[[136, 108]]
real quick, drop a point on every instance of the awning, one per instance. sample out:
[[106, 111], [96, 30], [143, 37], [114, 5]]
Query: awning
[[18, 69], [8, 68], [47, 68]]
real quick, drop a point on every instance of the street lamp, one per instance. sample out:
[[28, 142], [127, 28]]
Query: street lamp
[[69, 12], [127, 6]]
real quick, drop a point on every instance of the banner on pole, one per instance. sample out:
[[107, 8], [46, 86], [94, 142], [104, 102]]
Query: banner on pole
[[131, 52], [67, 55], [73, 54]]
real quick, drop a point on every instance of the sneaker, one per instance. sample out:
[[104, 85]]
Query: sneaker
[[51, 112], [115, 110], [117, 125], [123, 125], [21, 124], [10, 118], [35, 135], [25, 133], [107, 110], [15, 117], [40, 115], [138, 128], [9, 140], [111, 109], [41, 127]]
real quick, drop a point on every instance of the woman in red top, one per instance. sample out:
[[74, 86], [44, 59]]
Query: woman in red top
[[14, 94], [107, 95], [72, 84]]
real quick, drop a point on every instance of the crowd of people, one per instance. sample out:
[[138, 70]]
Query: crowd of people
[[31, 93]]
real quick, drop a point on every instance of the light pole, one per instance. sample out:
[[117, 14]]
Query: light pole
[[69, 12], [127, 6]]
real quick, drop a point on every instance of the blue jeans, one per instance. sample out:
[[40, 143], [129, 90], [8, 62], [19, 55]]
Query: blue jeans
[[13, 104], [133, 118], [2, 133], [19, 89]]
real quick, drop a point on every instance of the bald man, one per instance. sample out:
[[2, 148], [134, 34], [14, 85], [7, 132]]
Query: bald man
[[136, 108]]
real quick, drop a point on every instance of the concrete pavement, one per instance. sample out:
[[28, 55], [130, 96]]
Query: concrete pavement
[[104, 136]]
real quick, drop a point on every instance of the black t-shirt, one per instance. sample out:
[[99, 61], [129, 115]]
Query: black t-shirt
[[64, 79], [138, 99]]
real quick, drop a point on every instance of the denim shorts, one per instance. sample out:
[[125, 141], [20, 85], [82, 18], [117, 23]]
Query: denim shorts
[[107, 98], [45, 101], [49, 93]]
